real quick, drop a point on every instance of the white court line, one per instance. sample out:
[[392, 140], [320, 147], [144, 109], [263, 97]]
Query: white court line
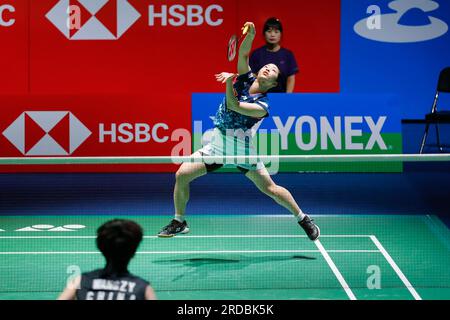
[[188, 252], [192, 237], [48, 237], [270, 236], [335, 270], [396, 268]]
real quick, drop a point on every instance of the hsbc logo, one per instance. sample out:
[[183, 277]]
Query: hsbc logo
[[110, 19], [47, 133], [93, 19]]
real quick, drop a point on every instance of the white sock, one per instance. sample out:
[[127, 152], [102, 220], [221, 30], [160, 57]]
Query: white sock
[[300, 216], [179, 218]]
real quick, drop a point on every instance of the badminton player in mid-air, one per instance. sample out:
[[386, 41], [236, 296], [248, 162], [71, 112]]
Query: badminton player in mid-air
[[243, 107]]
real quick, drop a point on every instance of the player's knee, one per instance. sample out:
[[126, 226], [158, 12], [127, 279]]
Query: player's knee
[[182, 175]]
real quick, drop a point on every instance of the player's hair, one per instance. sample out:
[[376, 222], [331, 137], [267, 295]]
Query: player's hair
[[118, 241], [280, 73], [272, 23]]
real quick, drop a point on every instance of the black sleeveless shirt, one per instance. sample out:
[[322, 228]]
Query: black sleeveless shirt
[[98, 285]]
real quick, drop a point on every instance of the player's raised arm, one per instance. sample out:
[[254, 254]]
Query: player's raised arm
[[245, 48], [248, 109]]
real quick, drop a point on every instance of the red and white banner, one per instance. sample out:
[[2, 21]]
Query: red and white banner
[[127, 69], [110, 125]]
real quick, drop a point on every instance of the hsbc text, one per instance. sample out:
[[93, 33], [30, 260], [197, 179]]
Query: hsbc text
[[133, 133], [178, 15], [6, 11]]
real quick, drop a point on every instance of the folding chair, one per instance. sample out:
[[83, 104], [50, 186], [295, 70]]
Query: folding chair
[[435, 117]]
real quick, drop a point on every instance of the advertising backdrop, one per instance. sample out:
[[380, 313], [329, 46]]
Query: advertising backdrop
[[123, 77]]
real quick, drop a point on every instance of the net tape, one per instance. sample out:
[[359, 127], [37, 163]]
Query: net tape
[[223, 159]]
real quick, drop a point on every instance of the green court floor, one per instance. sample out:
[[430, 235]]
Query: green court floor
[[240, 257]]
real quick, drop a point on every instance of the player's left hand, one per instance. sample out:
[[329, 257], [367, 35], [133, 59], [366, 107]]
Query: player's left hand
[[224, 76], [249, 28]]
